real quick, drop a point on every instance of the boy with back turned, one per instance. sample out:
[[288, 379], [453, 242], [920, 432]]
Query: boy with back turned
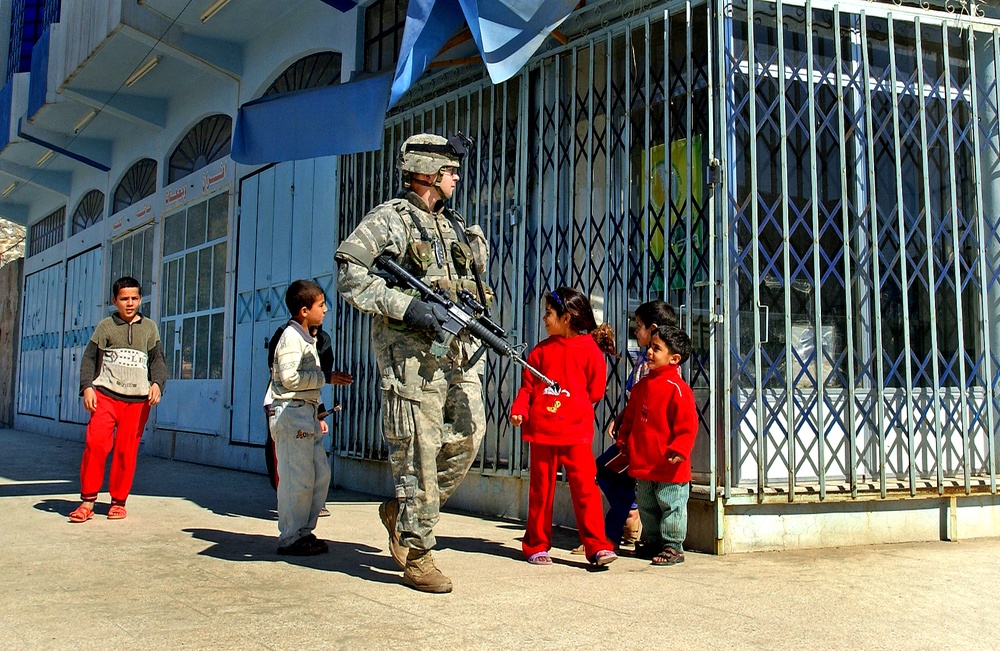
[[296, 380]]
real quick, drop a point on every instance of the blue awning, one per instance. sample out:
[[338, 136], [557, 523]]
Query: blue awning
[[507, 33], [349, 118], [429, 25], [338, 119]]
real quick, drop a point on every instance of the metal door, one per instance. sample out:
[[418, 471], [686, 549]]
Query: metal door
[[41, 343], [562, 179], [490, 194], [86, 305], [619, 135], [287, 226], [861, 245]]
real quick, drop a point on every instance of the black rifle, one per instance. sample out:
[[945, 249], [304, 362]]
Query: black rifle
[[470, 316]]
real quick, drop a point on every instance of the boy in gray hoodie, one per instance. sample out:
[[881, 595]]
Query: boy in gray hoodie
[[122, 375]]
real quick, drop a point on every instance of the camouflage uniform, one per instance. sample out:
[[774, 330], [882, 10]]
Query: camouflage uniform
[[433, 416]]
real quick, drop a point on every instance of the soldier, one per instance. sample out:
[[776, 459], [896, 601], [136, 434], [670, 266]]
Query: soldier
[[433, 416]]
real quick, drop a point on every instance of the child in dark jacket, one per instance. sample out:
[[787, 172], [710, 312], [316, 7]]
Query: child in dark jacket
[[560, 427], [658, 431]]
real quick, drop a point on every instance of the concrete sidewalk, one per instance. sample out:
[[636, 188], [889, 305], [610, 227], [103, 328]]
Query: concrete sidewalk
[[193, 566]]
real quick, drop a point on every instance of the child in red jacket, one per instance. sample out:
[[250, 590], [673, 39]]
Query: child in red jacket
[[560, 427], [658, 431]]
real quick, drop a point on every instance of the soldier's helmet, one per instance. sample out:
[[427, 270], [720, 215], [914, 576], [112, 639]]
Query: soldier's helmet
[[426, 153]]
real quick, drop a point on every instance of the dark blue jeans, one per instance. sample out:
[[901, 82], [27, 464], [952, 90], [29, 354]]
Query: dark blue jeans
[[619, 488]]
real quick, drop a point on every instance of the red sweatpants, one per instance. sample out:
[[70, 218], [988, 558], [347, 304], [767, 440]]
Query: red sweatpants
[[115, 425], [581, 471]]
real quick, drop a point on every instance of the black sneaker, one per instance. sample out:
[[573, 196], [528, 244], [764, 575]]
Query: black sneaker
[[306, 546]]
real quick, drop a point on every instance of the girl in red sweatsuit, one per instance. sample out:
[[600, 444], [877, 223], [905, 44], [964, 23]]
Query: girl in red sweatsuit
[[560, 427]]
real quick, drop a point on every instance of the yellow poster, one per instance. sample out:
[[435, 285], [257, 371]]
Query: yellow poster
[[673, 178]]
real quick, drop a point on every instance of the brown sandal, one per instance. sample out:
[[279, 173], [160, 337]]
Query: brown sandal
[[669, 556]]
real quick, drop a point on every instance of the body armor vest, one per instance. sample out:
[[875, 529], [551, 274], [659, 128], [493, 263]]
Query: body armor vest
[[438, 251]]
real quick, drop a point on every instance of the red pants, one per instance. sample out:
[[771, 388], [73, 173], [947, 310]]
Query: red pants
[[116, 425], [581, 471]]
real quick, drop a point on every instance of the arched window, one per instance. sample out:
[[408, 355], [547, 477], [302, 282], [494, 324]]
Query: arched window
[[89, 211], [205, 143], [313, 71], [138, 183]]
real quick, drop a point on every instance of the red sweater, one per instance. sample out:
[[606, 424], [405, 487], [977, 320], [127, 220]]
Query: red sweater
[[660, 419], [578, 365]]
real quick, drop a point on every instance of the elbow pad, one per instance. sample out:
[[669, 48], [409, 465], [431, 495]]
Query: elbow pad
[[349, 251]]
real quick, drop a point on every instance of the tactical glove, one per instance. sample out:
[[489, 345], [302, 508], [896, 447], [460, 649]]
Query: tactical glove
[[421, 315]]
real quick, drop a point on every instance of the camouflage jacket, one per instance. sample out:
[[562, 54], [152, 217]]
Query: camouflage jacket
[[437, 247]]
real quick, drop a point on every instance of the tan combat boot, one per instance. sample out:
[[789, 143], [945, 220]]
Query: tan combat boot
[[388, 512], [421, 573]]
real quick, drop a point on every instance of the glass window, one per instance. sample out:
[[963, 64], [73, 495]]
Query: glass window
[[132, 255], [384, 21], [218, 216], [194, 287], [173, 233], [900, 226], [196, 225], [89, 212]]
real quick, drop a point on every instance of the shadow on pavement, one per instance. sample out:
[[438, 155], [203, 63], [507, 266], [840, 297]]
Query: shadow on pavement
[[479, 546], [360, 561], [38, 488], [494, 548], [41, 466], [65, 507]]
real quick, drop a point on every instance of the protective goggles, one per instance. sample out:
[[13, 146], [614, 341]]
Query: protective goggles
[[457, 146]]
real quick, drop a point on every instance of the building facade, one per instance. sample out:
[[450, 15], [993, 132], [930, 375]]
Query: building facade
[[812, 184]]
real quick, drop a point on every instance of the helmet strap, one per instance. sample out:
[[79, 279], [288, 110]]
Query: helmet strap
[[437, 185]]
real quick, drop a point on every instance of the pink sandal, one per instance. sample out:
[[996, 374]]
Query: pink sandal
[[604, 557], [81, 514], [117, 512], [540, 558]]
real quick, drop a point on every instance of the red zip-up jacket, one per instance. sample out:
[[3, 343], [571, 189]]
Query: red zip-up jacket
[[660, 419], [578, 365]]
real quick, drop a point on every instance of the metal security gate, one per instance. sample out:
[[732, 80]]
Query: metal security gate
[[490, 195], [285, 231], [814, 187], [41, 343], [579, 176], [861, 247], [87, 300], [618, 203]]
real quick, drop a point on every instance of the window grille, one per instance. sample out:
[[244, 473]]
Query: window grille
[[47, 233], [313, 71], [138, 183], [205, 143], [384, 21], [193, 287], [89, 212]]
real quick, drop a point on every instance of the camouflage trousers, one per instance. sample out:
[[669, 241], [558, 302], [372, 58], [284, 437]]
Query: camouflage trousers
[[433, 419]]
